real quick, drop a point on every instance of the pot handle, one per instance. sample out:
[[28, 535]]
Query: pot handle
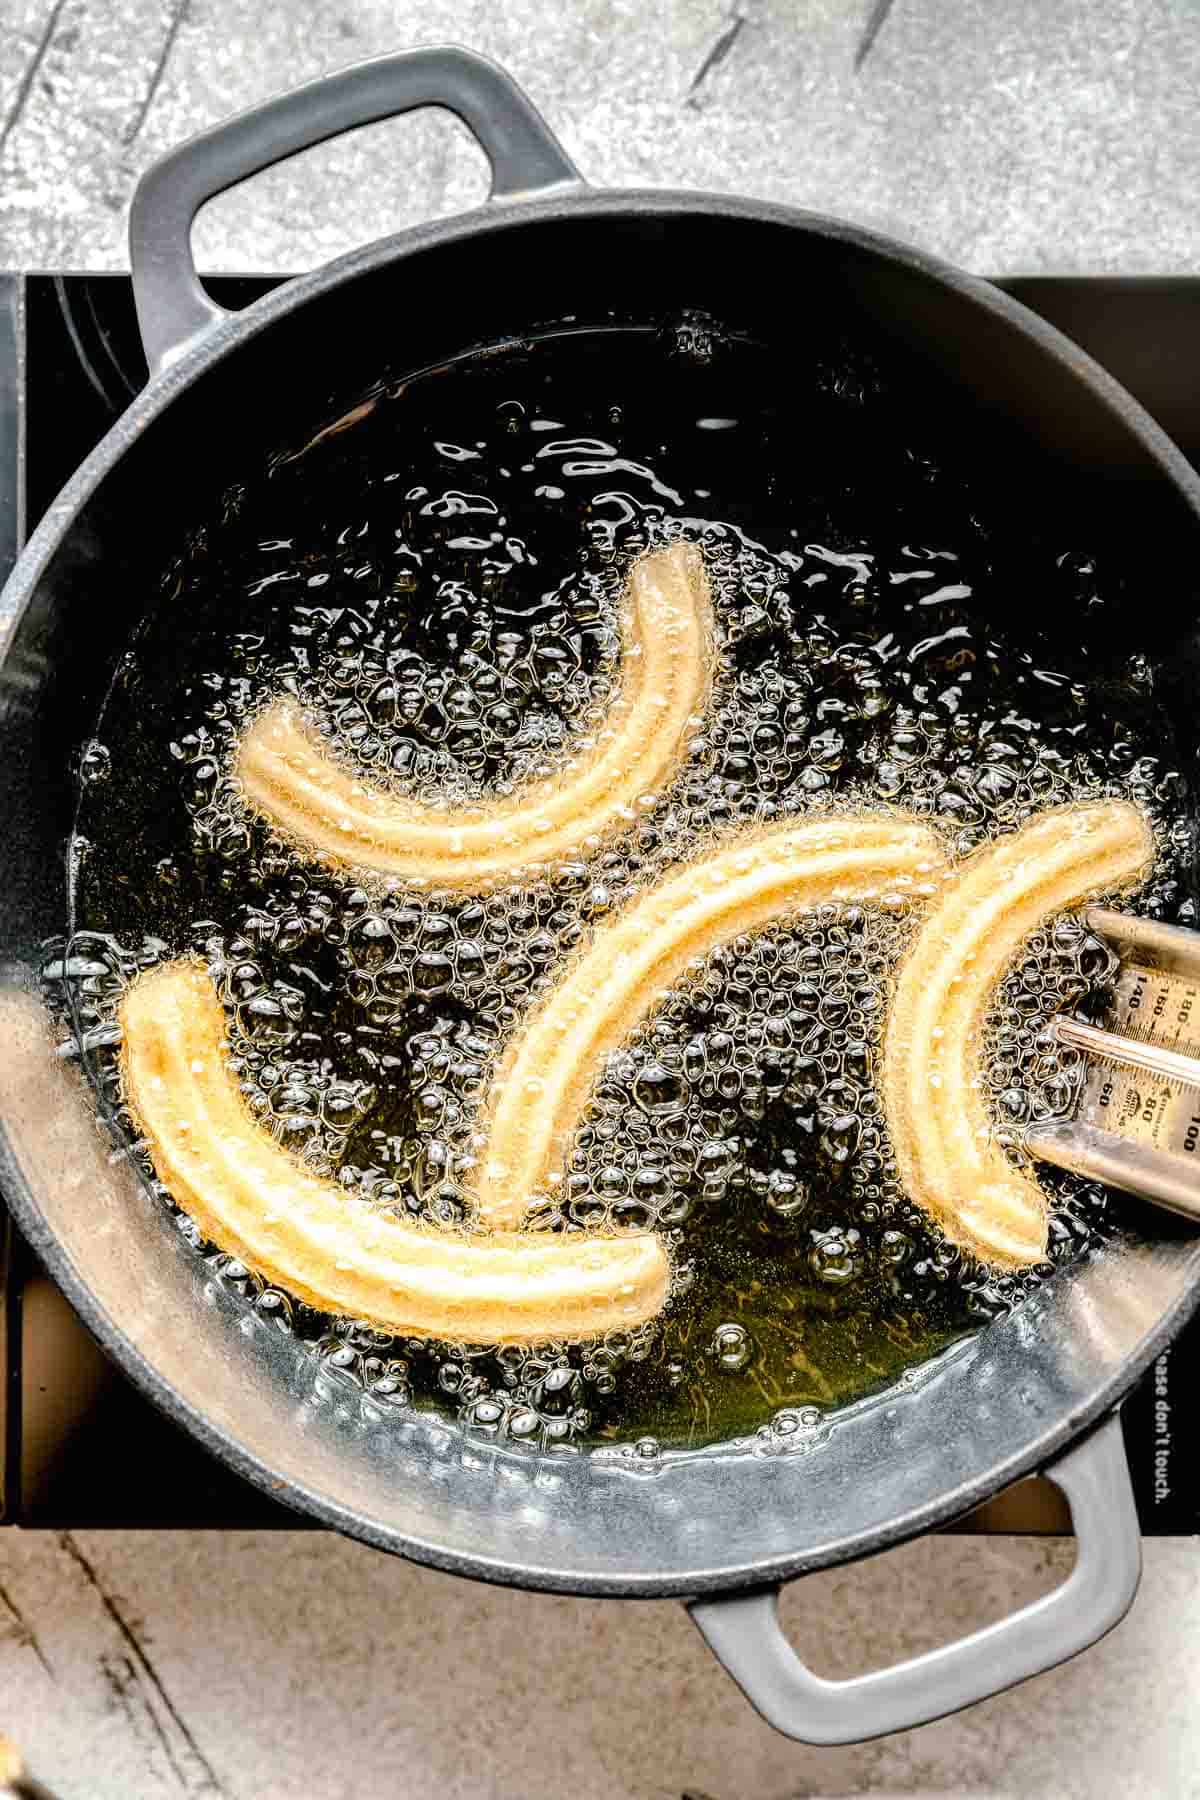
[[745, 1634], [173, 309]]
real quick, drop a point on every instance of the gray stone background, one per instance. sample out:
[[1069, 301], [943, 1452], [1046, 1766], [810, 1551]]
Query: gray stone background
[[1012, 135]]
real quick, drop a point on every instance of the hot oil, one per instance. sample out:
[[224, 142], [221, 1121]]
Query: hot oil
[[437, 574]]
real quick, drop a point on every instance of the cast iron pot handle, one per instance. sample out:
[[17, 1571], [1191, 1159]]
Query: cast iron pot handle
[[174, 310], [745, 1634]]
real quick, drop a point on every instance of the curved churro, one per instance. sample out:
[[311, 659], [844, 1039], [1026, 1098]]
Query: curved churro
[[933, 1086], [261, 1205], [754, 880], [290, 778]]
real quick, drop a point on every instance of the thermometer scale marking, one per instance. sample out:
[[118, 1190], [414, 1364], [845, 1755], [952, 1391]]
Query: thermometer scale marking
[[1158, 1107]]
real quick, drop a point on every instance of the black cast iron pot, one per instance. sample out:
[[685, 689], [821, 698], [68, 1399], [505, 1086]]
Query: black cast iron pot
[[1037, 1391]]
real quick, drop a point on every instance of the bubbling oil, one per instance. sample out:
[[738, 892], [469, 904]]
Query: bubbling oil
[[437, 575]]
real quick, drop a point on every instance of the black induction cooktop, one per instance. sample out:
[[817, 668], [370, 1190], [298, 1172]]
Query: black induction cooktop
[[80, 1446]]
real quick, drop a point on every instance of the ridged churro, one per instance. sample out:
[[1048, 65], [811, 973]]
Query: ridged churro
[[289, 776], [746, 883], [933, 1080], [259, 1203]]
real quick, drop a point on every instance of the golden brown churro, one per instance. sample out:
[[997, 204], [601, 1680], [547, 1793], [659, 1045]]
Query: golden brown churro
[[289, 776], [933, 1085], [752, 880], [258, 1203]]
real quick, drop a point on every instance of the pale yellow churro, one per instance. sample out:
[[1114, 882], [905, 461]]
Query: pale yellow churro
[[12, 1765], [934, 1095], [753, 880], [259, 1203], [289, 775]]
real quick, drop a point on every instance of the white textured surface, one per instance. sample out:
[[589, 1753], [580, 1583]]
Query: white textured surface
[[271, 1667], [1013, 135], [1008, 134]]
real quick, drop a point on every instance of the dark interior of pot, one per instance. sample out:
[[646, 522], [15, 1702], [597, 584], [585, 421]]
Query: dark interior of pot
[[1046, 448]]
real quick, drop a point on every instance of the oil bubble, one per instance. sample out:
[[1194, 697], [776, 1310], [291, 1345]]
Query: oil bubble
[[732, 1348]]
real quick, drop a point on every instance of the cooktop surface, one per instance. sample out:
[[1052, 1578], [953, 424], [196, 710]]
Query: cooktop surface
[[80, 1446]]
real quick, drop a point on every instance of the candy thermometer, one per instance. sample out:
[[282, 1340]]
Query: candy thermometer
[[1137, 1124]]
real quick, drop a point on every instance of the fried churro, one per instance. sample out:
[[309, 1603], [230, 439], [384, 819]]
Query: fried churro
[[289, 776], [257, 1202], [933, 1078], [753, 880]]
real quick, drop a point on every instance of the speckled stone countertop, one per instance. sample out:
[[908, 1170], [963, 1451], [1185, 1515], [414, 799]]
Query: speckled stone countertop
[[1011, 135]]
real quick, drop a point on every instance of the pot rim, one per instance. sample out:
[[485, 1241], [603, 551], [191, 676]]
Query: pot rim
[[154, 400]]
